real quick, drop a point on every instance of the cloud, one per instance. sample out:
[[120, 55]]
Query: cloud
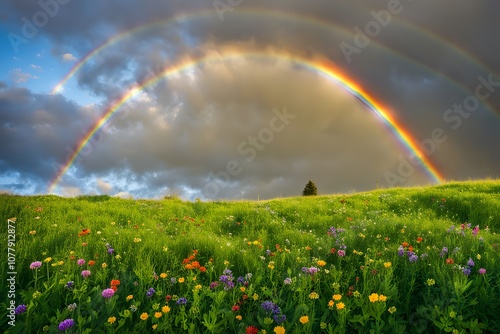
[[69, 57], [36, 67], [104, 187], [18, 76]]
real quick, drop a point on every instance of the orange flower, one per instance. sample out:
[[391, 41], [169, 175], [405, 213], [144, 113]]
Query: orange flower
[[114, 288], [203, 269], [85, 231], [410, 248], [405, 244], [115, 282], [420, 239], [188, 266], [91, 262], [449, 261]]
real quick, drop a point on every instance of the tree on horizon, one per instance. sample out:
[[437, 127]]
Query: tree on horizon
[[310, 189]]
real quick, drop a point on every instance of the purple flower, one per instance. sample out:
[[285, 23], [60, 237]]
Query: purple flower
[[466, 271], [69, 285], [150, 292], [241, 280], [86, 273], [475, 230], [276, 309], [224, 278], [229, 286], [20, 309], [470, 263], [213, 285], [341, 253], [268, 252], [401, 251], [267, 305], [111, 250], [80, 262], [413, 258], [279, 318], [482, 271], [108, 293], [181, 301], [287, 281], [35, 265], [227, 272], [66, 324], [443, 251]]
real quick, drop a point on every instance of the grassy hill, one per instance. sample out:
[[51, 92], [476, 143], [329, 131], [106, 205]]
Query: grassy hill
[[415, 260]]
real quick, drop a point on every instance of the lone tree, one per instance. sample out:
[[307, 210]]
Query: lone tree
[[310, 189]]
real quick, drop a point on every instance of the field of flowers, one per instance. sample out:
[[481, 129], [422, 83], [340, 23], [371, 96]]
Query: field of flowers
[[415, 260]]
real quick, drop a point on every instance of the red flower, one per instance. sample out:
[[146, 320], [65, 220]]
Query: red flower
[[235, 308], [114, 288], [405, 244], [115, 282], [168, 297], [251, 330], [332, 251], [449, 261], [420, 239], [202, 269]]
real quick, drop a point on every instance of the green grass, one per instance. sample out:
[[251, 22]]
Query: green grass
[[272, 240]]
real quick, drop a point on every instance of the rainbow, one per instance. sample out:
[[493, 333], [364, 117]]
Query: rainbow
[[321, 66], [314, 22]]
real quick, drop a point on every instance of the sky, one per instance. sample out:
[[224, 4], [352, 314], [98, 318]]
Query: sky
[[239, 99]]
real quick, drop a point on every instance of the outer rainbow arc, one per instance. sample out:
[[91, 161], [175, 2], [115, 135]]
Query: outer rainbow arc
[[322, 66]]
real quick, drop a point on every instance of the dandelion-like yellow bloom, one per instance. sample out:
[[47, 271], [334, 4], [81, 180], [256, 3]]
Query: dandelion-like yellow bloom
[[144, 316], [111, 320], [154, 326], [255, 296], [382, 298], [340, 306], [243, 289], [373, 297], [313, 295], [129, 297], [198, 287], [165, 309], [104, 265], [331, 303], [304, 319], [321, 263], [181, 279], [239, 317], [478, 256], [163, 275], [47, 260], [430, 282], [337, 296], [279, 330], [158, 315], [387, 264]]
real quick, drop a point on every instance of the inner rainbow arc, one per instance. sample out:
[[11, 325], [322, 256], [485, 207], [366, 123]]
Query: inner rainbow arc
[[322, 66]]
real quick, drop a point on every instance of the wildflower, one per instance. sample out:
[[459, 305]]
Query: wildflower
[[243, 289], [181, 279], [86, 273], [32, 232], [419, 240], [133, 308], [279, 318], [85, 231], [401, 251], [108, 293], [111, 320], [235, 308], [373, 297], [337, 296], [104, 265], [69, 285], [466, 271], [331, 303], [304, 319], [267, 305], [449, 261], [321, 263], [382, 298], [150, 292], [144, 316], [47, 260], [251, 330], [255, 297], [91, 263], [80, 262], [35, 265], [20, 309], [126, 313], [279, 330], [181, 301], [340, 306], [163, 275], [137, 239], [356, 294], [391, 309], [115, 282], [198, 287], [165, 309], [475, 230], [271, 265], [36, 294], [158, 315], [430, 282], [478, 256], [413, 257], [66, 324], [72, 307], [313, 295], [154, 326], [387, 264], [341, 253], [470, 263], [276, 309], [482, 271], [443, 251]]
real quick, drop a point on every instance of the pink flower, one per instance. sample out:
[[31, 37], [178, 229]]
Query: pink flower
[[35, 265], [341, 253], [80, 262], [85, 273], [108, 293], [482, 271]]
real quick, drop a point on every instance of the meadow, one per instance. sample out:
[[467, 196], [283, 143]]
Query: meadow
[[402, 260]]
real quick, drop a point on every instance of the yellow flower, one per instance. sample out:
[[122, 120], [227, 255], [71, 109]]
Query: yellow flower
[[356, 294], [72, 253], [279, 330], [391, 309], [154, 326], [158, 315], [313, 295], [304, 319], [118, 256], [331, 303], [340, 306], [387, 264], [239, 317], [137, 239], [478, 256], [165, 309], [430, 282], [243, 289], [181, 279], [111, 320], [163, 275], [144, 316], [198, 287], [226, 262], [255, 296], [271, 265], [382, 298], [104, 265], [194, 278], [337, 296], [47, 260], [33, 232], [129, 297], [373, 297], [321, 263]]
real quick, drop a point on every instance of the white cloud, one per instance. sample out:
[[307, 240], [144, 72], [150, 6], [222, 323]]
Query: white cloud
[[104, 187], [124, 194], [36, 67], [68, 57], [18, 76]]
